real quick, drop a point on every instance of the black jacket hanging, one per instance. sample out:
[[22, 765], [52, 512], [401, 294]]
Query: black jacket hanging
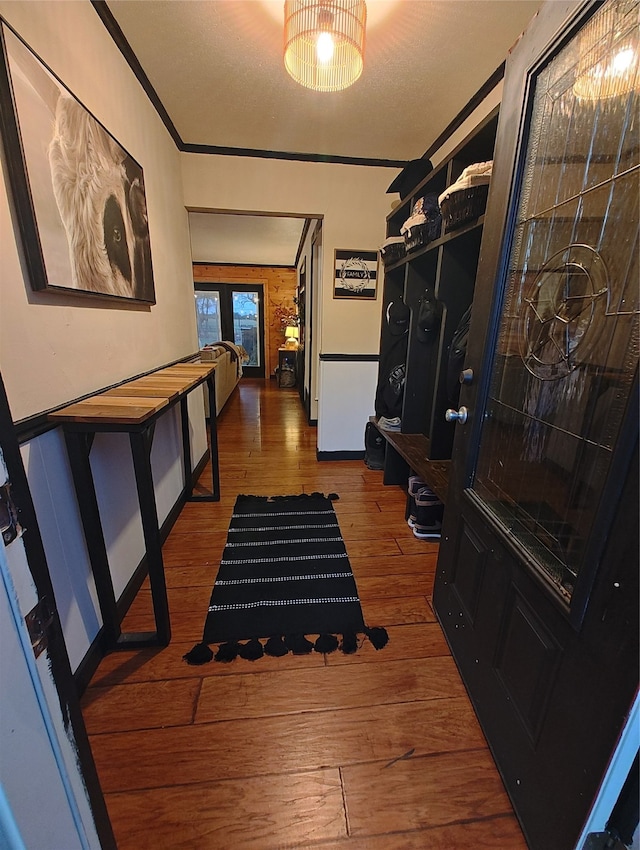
[[390, 389], [457, 355]]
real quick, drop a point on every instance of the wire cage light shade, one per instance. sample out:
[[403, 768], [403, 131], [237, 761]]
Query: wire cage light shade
[[609, 53], [324, 42]]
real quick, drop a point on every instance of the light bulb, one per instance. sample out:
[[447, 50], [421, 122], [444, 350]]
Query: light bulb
[[324, 47], [623, 61]]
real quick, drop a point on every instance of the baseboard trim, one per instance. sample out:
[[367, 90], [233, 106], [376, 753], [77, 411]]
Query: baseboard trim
[[98, 648], [321, 456]]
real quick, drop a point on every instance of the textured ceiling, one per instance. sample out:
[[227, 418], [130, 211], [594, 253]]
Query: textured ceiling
[[216, 66]]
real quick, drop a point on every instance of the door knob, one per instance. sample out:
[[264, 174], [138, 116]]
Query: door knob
[[457, 415]]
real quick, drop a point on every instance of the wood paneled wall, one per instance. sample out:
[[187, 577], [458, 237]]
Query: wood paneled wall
[[279, 290]]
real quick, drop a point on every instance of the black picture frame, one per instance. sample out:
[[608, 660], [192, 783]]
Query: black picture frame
[[355, 275], [78, 195]]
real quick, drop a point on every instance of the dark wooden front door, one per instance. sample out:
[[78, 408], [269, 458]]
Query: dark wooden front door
[[537, 584]]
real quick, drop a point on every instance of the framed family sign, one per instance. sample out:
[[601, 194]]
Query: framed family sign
[[79, 196], [355, 274]]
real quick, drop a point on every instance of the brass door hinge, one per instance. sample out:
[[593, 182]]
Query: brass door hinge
[[38, 621]]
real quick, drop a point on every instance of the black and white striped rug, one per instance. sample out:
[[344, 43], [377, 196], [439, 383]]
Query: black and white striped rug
[[284, 577]]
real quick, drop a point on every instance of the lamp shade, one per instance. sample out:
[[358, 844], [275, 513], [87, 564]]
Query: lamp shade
[[609, 60], [291, 332], [324, 42]]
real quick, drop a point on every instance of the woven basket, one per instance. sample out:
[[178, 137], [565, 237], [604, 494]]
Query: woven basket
[[422, 234], [393, 253], [463, 206], [418, 235]]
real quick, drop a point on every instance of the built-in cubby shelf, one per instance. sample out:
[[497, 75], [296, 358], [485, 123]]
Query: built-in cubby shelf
[[407, 453], [445, 270]]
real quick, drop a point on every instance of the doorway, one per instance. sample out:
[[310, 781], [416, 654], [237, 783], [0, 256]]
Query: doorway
[[233, 312]]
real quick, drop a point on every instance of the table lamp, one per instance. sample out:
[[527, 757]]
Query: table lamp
[[291, 335]]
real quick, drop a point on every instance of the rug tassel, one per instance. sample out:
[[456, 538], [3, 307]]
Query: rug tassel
[[298, 644], [251, 651], [378, 637], [276, 647], [349, 643], [333, 497], [227, 652], [200, 654], [326, 644]]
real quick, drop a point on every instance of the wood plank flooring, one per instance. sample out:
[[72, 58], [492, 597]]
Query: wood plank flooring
[[380, 750]]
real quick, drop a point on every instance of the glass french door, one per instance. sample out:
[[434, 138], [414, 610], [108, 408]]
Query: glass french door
[[233, 312], [209, 317]]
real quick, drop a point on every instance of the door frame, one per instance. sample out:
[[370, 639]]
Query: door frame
[[315, 276], [612, 543], [57, 656]]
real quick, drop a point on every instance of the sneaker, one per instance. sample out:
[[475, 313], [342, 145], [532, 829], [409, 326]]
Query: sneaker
[[393, 424], [423, 533], [415, 484], [428, 515]]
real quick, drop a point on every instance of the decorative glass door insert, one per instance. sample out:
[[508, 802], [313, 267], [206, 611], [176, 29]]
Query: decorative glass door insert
[[567, 348]]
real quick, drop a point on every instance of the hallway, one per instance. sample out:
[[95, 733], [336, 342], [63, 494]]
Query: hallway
[[373, 751]]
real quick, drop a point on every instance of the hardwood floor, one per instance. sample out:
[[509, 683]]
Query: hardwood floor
[[379, 750]]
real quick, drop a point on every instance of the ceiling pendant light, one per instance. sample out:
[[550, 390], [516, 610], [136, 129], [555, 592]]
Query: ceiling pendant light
[[609, 63], [324, 42]]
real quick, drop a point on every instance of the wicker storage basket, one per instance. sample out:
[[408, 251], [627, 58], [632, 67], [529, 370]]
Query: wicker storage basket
[[463, 206], [422, 234], [424, 225], [393, 250]]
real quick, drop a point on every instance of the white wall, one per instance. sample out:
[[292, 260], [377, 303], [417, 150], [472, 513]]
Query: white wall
[[54, 349], [349, 389]]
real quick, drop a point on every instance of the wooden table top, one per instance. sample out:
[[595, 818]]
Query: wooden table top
[[200, 369], [173, 384], [144, 390], [133, 402], [102, 409]]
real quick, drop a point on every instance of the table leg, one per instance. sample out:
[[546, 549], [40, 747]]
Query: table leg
[[78, 450], [186, 449], [141, 452], [213, 437], [214, 496]]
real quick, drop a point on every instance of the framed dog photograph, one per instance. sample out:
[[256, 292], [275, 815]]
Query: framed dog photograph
[[355, 274], [79, 196]]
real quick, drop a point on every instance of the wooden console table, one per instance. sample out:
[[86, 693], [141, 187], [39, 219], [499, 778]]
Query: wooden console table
[[133, 408]]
